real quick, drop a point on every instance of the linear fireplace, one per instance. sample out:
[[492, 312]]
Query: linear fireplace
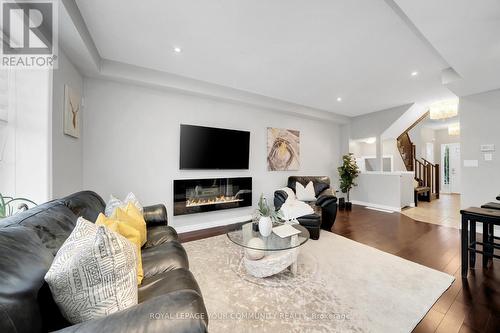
[[205, 195]]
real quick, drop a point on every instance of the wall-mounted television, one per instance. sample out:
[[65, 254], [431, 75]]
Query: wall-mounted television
[[213, 148]]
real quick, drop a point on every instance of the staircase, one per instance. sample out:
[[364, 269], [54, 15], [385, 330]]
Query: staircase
[[407, 150], [426, 173]]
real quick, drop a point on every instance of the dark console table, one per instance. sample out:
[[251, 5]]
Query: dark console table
[[489, 218]]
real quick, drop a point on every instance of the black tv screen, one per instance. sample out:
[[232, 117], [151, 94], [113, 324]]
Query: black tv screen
[[213, 148]]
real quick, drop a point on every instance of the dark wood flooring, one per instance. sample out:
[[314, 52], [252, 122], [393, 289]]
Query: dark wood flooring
[[469, 305]]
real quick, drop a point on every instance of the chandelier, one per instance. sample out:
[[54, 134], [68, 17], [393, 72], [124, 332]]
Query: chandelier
[[454, 129], [444, 109]]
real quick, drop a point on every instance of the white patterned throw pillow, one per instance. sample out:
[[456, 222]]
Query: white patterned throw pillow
[[93, 274], [114, 203], [305, 193]]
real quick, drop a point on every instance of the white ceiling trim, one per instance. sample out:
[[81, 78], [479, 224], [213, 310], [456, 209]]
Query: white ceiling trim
[[76, 40], [121, 72]]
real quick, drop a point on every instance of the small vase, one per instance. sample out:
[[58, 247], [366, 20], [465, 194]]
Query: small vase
[[348, 206], [265, 226]]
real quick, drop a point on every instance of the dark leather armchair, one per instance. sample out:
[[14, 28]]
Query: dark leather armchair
[[325, 206]]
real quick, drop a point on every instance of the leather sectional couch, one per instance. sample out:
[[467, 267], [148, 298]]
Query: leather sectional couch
[[169, 297], [325, 206]]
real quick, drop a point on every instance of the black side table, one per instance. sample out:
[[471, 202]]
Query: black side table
[[489, 218]]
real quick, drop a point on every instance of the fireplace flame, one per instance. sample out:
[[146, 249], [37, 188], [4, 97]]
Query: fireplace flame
[[192, 202]]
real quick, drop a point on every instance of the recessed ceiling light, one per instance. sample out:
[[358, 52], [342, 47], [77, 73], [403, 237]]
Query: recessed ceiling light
[[339, 99], [414, 73], [177, 49]]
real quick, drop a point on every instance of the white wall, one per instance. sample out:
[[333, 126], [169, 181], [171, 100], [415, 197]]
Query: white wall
[[131, 143], [360, 149], [8, 137], [375, 123], [386, 190], [25, 160], [38, 161], [389, 148], [479, 122], [420, 135], [67, 151]]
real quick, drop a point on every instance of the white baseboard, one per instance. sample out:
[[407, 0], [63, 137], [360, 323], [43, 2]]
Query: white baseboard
[[212, 224], [362, 203], [380, 209]]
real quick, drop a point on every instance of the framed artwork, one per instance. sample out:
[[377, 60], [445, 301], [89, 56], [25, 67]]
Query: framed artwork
[[283, 149], [72, 108]]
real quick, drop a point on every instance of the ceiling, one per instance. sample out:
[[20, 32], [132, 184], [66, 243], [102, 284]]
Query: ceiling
[[304, 52], [439, 124], [467, 34]]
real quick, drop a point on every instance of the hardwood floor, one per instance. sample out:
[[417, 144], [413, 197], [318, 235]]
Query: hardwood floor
[[469, 305]]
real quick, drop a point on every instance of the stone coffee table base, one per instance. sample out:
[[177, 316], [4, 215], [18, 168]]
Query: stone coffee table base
[[274, 262]]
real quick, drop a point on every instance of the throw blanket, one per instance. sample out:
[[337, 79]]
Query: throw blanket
[[293, 208]]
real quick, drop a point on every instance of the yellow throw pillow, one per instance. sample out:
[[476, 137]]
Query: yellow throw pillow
[[133, 217], [129, 233]]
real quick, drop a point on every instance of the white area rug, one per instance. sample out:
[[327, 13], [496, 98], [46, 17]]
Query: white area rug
[[342, 286]]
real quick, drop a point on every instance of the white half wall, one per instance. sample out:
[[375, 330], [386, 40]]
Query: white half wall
[[131, 143], [385, 190]]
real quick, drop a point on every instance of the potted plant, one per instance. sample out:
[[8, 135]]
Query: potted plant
[[6, 205], [266, 215], [348, 172]]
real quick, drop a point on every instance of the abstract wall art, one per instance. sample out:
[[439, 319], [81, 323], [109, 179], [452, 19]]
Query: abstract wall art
[[283, 149]]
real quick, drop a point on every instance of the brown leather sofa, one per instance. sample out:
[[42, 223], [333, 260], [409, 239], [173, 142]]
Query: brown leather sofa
[[30, 240]]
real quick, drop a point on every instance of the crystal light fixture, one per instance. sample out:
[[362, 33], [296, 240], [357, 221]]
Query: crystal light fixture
[[454, 129], [444, 109]]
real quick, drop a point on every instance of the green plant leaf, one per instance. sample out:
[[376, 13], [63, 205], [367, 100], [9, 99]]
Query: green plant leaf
[[348, 172], [6, 204], [264, 209], [2, 206]]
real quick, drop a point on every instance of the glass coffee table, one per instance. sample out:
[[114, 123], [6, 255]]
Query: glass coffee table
[[267, 256]]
